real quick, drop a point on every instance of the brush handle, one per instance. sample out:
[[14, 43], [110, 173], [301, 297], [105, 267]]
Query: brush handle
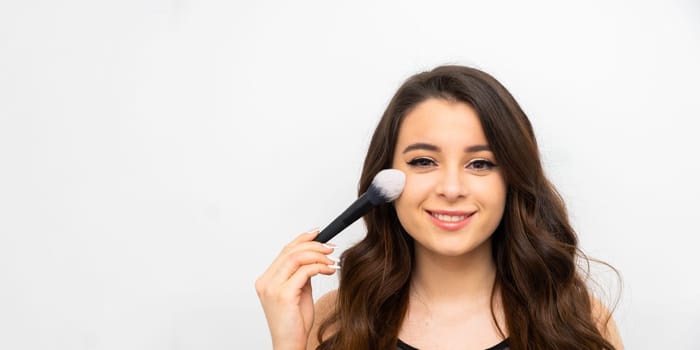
[[355, 211]]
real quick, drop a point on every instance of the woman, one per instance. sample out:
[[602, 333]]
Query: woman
[[476, 253]]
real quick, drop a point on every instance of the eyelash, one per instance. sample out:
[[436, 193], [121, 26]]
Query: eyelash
[[420, 163], [415, 162]]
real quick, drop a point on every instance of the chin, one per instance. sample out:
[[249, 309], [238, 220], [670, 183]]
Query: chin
[[456, 248]]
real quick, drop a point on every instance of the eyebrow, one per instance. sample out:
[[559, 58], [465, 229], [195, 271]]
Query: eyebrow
[[433, 148]]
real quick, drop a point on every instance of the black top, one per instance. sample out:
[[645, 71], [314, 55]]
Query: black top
[[500, 346]]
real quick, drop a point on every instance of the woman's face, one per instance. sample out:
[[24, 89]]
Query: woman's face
[[455, 193]]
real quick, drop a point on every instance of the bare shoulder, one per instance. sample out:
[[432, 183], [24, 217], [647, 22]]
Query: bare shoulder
[[605, 322], [324, 307]]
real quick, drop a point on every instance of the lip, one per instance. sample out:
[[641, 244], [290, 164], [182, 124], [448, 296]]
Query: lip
[[451, 225]]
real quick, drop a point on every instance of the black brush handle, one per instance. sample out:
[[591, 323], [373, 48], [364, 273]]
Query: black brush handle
[[355, 211]]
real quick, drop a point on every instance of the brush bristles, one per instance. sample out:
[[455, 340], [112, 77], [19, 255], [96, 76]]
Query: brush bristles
[[386, 186]]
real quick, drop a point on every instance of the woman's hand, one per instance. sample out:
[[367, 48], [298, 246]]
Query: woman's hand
[[284, 290]]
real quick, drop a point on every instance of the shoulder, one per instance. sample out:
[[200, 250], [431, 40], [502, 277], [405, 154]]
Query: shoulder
[[323, 308], [605, 322], [325, 305]]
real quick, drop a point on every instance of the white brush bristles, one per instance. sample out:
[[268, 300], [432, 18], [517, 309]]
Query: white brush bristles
[[389, 183]]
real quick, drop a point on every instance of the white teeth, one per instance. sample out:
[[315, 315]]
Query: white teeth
[[449, 218]]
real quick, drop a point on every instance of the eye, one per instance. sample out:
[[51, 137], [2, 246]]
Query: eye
[[421, 162], [481, 165]]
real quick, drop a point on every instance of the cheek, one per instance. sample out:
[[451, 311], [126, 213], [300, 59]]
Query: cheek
[[493, 195], [415, 192], [417, 188]]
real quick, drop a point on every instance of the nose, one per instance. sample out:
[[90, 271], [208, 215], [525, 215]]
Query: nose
[[452, 185]]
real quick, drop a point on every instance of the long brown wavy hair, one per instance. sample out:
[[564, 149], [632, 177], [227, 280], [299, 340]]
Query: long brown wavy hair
[[544, 294]]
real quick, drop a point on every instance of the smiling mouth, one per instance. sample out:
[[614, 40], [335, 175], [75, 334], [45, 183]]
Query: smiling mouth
[[450, 218]]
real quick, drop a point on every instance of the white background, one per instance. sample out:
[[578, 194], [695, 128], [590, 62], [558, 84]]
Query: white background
[[155, 155]]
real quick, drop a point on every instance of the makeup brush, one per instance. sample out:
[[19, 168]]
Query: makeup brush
[[385, 187]]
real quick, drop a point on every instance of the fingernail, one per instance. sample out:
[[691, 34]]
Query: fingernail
[[333, 258], [313, 230], [335, 267], [329, 245]]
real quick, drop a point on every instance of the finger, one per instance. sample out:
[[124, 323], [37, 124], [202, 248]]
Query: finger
[[300, 243], [293, 248], [297, 260], [292, 288], [305, 237], [288, 262]]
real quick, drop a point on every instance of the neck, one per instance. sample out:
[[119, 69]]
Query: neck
[[468, 278]]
